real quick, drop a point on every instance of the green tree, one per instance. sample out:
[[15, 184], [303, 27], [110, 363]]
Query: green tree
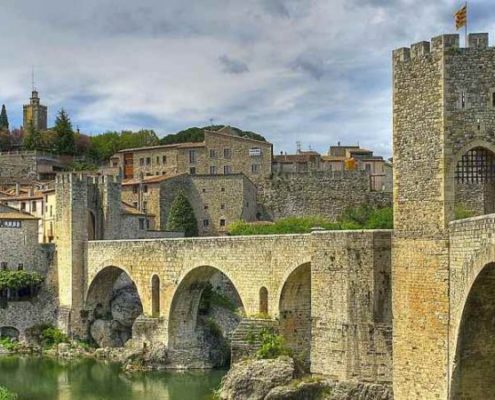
[[196, 134], [65, 141], [181, 216], [4, 120], [33, 139]]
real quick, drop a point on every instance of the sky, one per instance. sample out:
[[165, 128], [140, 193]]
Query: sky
[[313, 71]]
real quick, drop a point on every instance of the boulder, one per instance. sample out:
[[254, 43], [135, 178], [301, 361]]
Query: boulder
[[126, 306], [109, 333], [359, 391], [254, 379]]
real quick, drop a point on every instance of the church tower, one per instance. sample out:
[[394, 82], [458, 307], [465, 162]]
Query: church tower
[[35, 113]]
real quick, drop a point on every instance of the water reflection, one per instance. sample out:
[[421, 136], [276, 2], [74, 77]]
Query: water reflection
[[43, 379]]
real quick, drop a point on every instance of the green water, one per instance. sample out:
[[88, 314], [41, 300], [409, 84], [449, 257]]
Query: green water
[[47, 379]]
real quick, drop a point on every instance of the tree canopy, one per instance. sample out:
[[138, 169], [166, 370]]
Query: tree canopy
[[196, 134], [181, 216], [65, 142]]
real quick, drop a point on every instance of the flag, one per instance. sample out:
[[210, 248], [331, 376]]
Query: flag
[[461, 17]]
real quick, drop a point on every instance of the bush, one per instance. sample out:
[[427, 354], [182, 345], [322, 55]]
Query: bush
[[272, 345], [9, 344], [6, 394], [18, 280], [462, 212], [51, 336], [355, 218]]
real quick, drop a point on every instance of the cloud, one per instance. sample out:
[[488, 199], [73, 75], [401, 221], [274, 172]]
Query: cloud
[[294, 70], [232, 66]]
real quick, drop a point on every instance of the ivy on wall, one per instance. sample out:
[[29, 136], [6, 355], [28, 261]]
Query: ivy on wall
[[20, 280]]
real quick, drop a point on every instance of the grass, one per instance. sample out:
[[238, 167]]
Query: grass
[[462, 212], [6, 394], [355, 218]]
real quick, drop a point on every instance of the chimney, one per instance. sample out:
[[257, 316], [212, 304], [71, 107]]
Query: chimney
[[31, 191], [17, 189]]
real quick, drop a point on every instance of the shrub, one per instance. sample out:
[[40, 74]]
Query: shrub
[[17, 280], [6, 394], [272, 345], [9, 344], [51, 336], [462, 212]]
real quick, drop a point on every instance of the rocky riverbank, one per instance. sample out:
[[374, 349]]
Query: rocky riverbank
[[276, 380]]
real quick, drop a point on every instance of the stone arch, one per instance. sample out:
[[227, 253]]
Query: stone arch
[[295, 312], [187, 337], [112, 304], [263, 301], [155, 296], [10, 332], [472, 179], [473, 368]]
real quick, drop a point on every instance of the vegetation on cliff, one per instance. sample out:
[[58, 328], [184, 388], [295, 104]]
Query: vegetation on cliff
[[181, 217], [356, 218]]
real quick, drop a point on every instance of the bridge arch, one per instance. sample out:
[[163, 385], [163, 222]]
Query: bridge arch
[[295, 312], [473, 366], [192, 325], [112, 302]]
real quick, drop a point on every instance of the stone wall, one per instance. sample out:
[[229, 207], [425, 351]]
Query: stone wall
[[326, 194], [20, 245]]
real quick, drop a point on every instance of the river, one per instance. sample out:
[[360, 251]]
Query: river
[[47, 379]]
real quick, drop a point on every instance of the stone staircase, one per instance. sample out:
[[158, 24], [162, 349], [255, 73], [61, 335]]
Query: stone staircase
[[245, 339]]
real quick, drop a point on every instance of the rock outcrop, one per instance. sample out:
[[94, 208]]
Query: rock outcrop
[[274, 380], [254, 379]]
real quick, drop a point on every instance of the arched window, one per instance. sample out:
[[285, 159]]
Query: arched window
[[155, 296], [263, 300]]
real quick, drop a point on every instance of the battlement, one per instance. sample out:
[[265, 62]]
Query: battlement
[[75, 177], [439, 45]]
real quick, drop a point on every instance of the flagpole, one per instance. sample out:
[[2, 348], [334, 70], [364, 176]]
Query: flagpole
[[466, 44]]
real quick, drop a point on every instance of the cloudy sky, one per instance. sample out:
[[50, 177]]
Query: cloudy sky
[[314, 71]]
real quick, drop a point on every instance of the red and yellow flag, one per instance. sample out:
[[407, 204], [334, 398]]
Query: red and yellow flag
[[461, 17]]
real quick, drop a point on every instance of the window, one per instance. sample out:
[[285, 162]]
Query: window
[[367, 167], [23, 206], [222, 222], [148, 160], [148, 173], [147, 224], [157, 159], [51, 211], [254, 152], [145, 188], [213, 153], [222, 206], [192, 170], [141, 161], [164, 159], [134, 204], [255, 168], [33, 206], [213, 170], [4, 266], [227, 154], [145, 206], [206, 207], [141, 223], [222, 189], [463, 99], [115, 164], [192, 156], [204, 190], [493, 99], [206, 223], [20, 267], [227, 169], [164, 172], [134, 188]]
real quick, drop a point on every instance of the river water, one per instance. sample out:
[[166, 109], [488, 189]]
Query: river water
[[46, 379]]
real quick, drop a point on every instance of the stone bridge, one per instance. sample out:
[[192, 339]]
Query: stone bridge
[[330, 291]]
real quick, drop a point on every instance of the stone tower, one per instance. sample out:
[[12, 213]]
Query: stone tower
[[88, 208], [35, 113], [443, 109]]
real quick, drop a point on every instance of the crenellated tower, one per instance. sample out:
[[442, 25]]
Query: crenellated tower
[[444, 142]]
